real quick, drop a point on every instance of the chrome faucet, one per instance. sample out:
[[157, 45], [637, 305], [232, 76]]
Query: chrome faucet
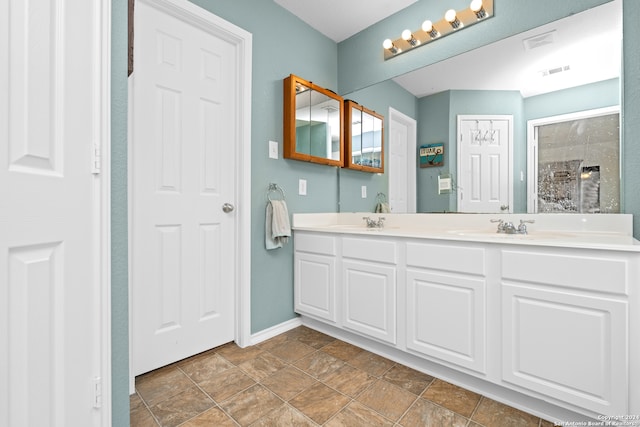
[[372, 223], [509, 228]]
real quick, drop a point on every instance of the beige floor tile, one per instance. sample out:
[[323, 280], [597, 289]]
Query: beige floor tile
[[139, 415], [319, 364], [371, 363], [251, 404], [182, 407], [494, 414], [264, 366], [342, 350], [292, 350], [226, 384], [452, 397], [387, 399], [425, 413], [288, 382], [204, 367], [237, 355], [407, 378], [349, 380], [162, 384], [319, 402], [358, 415], [284, 416], [313, 338], [213, 417]]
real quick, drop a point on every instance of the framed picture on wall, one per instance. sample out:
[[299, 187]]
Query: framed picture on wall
[[431, 155]]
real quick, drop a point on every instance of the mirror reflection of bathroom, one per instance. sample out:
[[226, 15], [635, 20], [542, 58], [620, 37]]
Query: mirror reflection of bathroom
[[576, 163]]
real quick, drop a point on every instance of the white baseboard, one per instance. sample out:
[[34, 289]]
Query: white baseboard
[[271, 332]]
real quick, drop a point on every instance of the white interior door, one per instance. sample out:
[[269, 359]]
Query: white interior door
[[50, 306], [485, 174], [185, 116], [402, 163]]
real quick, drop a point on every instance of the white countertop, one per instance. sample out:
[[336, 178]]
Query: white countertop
[[594, 231]]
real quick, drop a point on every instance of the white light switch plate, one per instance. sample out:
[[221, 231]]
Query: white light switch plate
[[364, 191], [273, 149], [302, 187]]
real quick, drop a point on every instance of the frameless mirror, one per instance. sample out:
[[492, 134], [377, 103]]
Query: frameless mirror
[[569, 65], [312, 123]]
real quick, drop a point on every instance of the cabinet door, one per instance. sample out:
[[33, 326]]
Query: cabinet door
[[446, 318], [315, 285], [369, 292], [566, 345]]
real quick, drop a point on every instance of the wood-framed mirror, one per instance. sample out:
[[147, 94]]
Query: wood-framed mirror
[[313, 117], [364, 138]]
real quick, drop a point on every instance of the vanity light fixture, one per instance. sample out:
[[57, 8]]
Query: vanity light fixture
[[453, 21]]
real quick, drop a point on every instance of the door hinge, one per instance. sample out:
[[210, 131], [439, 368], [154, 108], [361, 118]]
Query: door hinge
[[97, 392], [96, 161]]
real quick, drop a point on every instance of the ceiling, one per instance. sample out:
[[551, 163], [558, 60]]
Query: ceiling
[[340, 19], [570, 44]]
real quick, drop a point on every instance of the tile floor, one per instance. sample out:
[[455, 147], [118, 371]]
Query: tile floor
[[306, 378]]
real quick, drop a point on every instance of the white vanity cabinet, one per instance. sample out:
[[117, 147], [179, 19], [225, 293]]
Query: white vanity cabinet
[[534, 322], [446, 303], [565, 325], [369, 289], [315, 264]]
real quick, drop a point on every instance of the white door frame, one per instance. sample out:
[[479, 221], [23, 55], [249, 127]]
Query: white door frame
[[395, 117], [102, 202], [207, 21]]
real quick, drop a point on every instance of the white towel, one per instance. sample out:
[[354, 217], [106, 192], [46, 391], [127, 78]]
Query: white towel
[[277, 227], [383, 207]]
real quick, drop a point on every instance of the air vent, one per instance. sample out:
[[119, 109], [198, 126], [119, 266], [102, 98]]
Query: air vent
[[555, 70], [539, 40]]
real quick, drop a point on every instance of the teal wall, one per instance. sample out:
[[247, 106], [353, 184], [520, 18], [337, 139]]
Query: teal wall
[[350, 66]]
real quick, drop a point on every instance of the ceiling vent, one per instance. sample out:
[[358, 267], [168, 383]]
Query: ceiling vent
[[555, 70], [539, 40]]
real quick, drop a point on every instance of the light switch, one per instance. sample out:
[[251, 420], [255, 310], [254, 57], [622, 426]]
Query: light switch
[[302, 187], [364, 191], [273, 149]]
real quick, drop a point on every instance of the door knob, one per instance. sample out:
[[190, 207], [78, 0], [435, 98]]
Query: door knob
[[227, 207], [504, 207]]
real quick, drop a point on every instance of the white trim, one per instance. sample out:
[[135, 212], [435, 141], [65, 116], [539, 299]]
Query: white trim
[[532, 146], [276, 330], [103, 201], [508, 118], [396, 116], [213, 24]]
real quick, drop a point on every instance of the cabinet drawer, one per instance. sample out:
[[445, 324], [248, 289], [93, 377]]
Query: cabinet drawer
[[594, 273], [370, 250], [457, 259], [315, 243]]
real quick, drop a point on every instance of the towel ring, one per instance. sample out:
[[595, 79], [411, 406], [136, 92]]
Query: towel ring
[[275, 188], [381, 198]]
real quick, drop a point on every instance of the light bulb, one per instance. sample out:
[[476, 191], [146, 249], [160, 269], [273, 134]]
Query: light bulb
[[452, 19], [387, 44], [477, 8], [406, 35], [427, 27]]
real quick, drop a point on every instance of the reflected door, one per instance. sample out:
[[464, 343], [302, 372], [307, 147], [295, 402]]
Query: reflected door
[[485, 181]]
